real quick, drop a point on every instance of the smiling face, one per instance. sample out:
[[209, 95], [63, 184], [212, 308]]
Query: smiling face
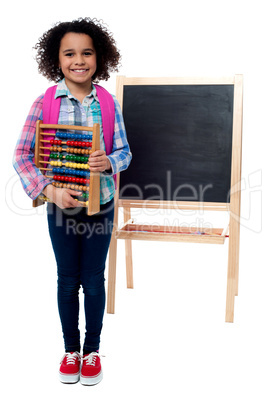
[[77, 60]]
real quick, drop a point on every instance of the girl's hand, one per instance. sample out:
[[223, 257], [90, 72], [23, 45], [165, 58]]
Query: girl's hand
[[99, 161], [62, 197]]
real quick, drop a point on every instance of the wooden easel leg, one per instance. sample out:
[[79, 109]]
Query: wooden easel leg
[[113, 260], [232, 275], [230, 300], [231, 284], [128, 252], [237, 267], [234, 226], [112, 275], [237, 247]]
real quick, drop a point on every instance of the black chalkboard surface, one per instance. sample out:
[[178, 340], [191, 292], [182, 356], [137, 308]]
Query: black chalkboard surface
[[181, 140]]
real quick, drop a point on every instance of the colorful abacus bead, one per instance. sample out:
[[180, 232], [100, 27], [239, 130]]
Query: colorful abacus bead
[[85, 196], [78, 144], [55, 142], [77, 165], [78, 151], [76, 172], [55, 163], [77, 137], [76, 158], [71, 179]]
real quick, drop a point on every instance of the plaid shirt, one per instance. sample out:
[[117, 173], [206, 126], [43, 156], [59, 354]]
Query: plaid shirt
[[72, 112]]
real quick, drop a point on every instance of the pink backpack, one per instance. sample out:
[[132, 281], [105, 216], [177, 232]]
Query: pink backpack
[[51, 107]]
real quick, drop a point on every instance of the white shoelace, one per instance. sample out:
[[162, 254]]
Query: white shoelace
[[90, 360], [71, 357]]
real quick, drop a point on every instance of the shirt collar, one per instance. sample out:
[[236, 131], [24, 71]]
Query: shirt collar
[[63, 90]]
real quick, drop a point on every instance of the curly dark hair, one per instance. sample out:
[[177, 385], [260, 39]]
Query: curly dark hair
[[47, 57]]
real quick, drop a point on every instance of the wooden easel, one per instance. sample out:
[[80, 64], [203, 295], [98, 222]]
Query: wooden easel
[[42, 135], [132, 231]]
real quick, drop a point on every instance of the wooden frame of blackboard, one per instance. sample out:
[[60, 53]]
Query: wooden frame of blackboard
[[130, 231]]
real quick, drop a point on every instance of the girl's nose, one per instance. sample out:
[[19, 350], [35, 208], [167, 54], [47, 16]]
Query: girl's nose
[[79, 59]]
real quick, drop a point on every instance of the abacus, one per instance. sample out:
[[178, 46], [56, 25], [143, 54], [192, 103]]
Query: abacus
[[62, 155]]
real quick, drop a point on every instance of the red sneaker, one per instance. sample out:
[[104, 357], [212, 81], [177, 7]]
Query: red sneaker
[[91, 372], [69, 371]]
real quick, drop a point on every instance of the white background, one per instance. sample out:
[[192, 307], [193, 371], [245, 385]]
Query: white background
[[168, 338]]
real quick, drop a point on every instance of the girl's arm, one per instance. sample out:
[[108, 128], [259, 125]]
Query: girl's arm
[[120, 156], [33, 181]]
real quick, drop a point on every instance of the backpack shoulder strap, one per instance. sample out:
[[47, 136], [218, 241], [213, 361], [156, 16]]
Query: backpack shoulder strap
[[107, 107], [108, 115], [51, 106]]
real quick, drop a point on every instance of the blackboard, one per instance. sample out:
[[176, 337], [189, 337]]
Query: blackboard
[[185, 134], [181, 140]]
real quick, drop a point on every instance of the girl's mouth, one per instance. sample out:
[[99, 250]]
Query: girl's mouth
[[79, 71]]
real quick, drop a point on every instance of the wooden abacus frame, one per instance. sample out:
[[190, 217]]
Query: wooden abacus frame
[[94, 186]]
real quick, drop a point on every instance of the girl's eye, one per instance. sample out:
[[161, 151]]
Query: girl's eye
[[87, 53], [69, 54]]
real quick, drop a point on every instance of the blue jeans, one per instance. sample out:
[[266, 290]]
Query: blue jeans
[[81, 244]]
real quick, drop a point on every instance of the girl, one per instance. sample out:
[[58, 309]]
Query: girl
[[76, 54]]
